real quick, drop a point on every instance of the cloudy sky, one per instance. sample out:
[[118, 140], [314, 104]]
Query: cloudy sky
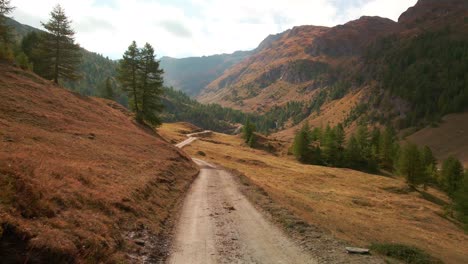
[[181, 28]]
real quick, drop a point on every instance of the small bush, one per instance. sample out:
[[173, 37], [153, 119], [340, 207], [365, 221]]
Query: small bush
[[407, 254], [201, 153]]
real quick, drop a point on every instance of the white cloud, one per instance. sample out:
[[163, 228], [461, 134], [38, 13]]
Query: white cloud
[[196, 27], [385, 8]]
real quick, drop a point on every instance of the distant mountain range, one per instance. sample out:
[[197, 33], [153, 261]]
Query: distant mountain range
[[411, 72]]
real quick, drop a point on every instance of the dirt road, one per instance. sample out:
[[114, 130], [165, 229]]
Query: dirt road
[[219, 225]]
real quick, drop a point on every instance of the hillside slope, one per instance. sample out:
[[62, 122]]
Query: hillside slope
[[294, 65], [79, 180], [94, 67], [411, 71], [449, 138]]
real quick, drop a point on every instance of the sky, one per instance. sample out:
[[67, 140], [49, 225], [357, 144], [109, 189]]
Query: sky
[[184, 28]]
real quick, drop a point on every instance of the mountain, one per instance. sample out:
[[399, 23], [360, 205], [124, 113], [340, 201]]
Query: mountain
[[294, 65], [80, 181], [191, 75], [410, 73], [94, 67], [19, 30]]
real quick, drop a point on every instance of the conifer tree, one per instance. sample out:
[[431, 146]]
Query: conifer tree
[[58, 49], [410, 165], [353, 158], [141, 78], [386, 148], [340, 147], [362, 137], [5, 10], [128, 77], [461, 199], [106, 89], [5, 34], [151, 80], [452, 174], [429, 164], [329, 146], [301, 145], [248, 133]]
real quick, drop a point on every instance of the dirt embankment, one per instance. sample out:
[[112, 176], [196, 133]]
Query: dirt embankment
[[79, 180]]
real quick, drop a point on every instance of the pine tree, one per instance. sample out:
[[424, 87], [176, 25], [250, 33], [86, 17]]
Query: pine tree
[[151, 80], [301, 145], [248, 133], [106, 89], [329, 146], [461, 199], [410, 165], [386, 148], [340, 137], [362, 137], [452, 174], [429, 164], [353, 158], [128, 77], [5, 10], [58, 49], [5, 33]]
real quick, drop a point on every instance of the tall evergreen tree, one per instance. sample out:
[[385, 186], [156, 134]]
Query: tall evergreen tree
[[461, 199], [353, 157], [128, 77], [248, 133], [5, 34], [62, 56], [362, 137], [340, 138], [387, 148], [429, 164], [410, 165], [106, 89], [329, 146], [151, 80], [5, 10], [301, 144], [452, 174]]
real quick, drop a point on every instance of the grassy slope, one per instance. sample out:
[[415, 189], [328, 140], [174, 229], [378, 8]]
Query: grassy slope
[[449, 138], [78, 177], [354, 206]]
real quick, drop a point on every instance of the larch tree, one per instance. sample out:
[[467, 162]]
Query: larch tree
[[386, 148], [106, 89], [141, 77], [248, 133], [58, 48], [429, 164], [151, 81], [128, 77], [410, 165], [301, 145], [5, 34], [452, 174], [5, 10]]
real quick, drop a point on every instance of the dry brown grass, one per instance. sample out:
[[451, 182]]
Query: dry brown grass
[[77, 174], [357, 207], [449, 138]]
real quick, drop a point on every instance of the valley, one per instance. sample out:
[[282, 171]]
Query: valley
[[318, 141], [317, 205]]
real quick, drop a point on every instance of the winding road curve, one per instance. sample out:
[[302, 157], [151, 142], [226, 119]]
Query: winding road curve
[[219, 225]]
